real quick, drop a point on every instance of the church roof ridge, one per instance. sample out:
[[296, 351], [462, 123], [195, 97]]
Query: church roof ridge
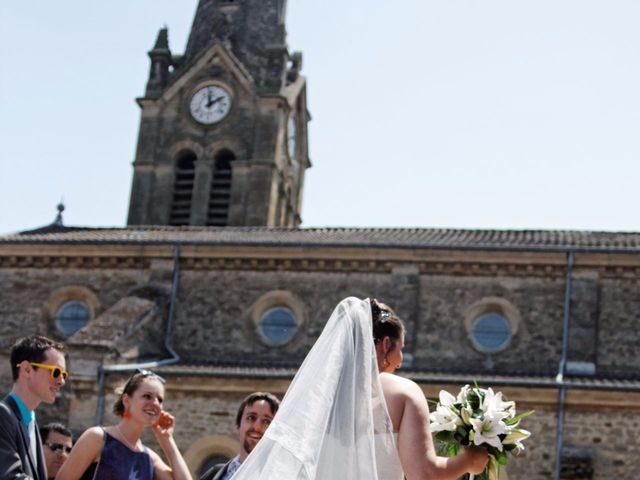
[[381, 237]]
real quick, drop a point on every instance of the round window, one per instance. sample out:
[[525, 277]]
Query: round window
[[278, 326], [71, 317], [491, 332]]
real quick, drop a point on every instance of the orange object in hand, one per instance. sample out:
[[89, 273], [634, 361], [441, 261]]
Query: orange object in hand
[[165, 420]]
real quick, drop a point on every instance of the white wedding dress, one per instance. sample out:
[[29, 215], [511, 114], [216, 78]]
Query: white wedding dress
[[387, 459], [333, 422]]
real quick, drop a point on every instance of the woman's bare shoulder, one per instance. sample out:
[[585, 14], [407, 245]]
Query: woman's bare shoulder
[[93, 435], [86, 450], [397, 385]]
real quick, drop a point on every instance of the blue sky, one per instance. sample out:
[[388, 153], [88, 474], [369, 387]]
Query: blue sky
[[467, 114]]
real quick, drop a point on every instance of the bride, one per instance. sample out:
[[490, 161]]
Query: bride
[[346, 416]]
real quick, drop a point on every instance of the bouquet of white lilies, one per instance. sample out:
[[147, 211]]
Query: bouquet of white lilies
[[478, 416]]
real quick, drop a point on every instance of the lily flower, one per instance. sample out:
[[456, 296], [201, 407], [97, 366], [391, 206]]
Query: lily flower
[[493, 405], [487, 430], [465, 413], [446, 399], [444, 418], [464, 393], [516, 435]]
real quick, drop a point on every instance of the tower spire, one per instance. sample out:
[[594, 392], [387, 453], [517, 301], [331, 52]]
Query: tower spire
[[161, 62], [253, 30]]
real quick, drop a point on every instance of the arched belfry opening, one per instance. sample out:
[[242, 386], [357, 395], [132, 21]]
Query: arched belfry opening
[[183, 189], [220, 193]]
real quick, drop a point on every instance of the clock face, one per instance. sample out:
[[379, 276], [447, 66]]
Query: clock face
[[291, 136], [210, 104]]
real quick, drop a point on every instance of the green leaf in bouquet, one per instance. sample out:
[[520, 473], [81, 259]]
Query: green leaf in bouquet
[[501, 458], [517, 418], [444, 436], [491, 450], [482, 476], [452, 450], [474, 400]]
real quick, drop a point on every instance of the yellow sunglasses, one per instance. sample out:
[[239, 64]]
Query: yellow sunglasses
[[55, 370]]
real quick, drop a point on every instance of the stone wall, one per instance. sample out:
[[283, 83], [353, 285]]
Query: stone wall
[[26, 292], [213, 325], [618, 325], [442, 340], [213, 313]]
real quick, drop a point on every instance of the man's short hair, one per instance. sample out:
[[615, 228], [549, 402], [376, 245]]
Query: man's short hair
[[252, 398], [54, 427], [31, 349]]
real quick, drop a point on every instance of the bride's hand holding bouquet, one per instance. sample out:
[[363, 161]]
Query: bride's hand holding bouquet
[[480, 417]]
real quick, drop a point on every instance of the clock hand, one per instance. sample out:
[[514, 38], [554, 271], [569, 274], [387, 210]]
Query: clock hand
[[211, 102], [215, 101]]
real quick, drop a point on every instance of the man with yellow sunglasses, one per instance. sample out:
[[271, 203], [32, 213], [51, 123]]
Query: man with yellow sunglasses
[[39, 371]]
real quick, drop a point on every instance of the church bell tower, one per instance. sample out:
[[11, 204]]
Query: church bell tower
[[223, 129]]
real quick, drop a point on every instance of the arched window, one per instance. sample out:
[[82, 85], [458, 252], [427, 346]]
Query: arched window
[[491, 324], [220, 194], [491, 332], [278, 326], [183, 189], [70, 309], [71, 317], [277, 319]]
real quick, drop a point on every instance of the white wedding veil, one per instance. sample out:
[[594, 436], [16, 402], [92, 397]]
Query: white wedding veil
[[325, 427]]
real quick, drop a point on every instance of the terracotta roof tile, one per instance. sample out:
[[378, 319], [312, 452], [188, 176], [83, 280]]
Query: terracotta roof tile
[[340, 237]]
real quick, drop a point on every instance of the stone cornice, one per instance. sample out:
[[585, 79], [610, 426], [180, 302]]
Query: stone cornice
[[317, 259], [525, 397]]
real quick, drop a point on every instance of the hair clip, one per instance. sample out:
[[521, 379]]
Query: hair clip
[[384, 316]]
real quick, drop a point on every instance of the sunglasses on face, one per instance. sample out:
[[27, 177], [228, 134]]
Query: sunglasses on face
[[55, 370], [58, 448]]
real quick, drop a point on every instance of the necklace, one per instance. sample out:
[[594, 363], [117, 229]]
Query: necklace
[[126, 440]]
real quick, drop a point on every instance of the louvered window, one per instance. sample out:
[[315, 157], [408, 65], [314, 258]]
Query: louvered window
[[183, 190], [220, 194]]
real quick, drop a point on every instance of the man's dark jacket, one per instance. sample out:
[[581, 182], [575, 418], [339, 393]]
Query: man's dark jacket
[[216, 472], [16, 461]]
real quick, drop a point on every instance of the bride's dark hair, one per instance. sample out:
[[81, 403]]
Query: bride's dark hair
[[385, 323]]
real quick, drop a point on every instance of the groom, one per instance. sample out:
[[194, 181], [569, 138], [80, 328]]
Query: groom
[[254, 416]]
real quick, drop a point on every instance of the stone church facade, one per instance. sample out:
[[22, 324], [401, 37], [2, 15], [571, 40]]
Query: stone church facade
[[202, 287]]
